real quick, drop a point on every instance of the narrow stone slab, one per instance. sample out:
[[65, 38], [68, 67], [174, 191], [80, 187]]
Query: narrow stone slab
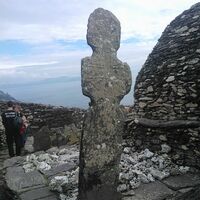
[[193, 194], [41, 193], [50, 198], [13, 161], [182, 181], [19, 181], [58, 169], [155, 190]]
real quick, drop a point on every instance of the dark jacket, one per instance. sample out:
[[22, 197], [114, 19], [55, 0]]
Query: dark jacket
[[8, 120]]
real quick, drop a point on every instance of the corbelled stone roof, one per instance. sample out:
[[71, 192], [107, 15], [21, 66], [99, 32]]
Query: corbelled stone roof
[[168, 85]]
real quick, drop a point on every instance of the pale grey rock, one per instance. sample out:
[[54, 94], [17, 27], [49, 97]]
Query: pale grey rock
[[191, 105], [193, 29], [15, 161], [158, 174], [58, 169], [44, 157], [163, 138], [170, 79], [31, 158], [68, 157], [127, 150], [193, 61], [135, 183], [143, 178], [29, 144], [145, 99], [129, 193], [148, 154], [53, 150], [43, 166], [63, 151], [29, 167], [184, 147], [19, 181], [122, 188], [184, 169], [165, 148], [181, 30], [145, 167], [142, 104], [150, 89], [57, 182]]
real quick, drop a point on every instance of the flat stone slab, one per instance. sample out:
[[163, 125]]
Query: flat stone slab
[[194, 194], [15, 161], [50, 198], [59, 169], [151, 191], [40, 193], [19, 181], [182, 181]]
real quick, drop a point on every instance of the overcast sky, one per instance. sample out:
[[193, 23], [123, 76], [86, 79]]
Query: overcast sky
[[46, 38]]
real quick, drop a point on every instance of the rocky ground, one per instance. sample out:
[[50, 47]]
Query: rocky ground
[[53, 174]]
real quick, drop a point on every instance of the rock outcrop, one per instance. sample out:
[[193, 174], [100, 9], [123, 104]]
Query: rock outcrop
[[167, 92], [6, 97], [105, 80]]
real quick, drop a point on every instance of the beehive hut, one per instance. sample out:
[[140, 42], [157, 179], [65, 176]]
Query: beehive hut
[[167, 91]]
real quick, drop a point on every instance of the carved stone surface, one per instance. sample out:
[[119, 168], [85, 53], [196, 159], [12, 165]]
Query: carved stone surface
[[105, 80]]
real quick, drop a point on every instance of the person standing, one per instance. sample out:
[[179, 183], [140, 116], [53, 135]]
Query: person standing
[[24, 125], [11, 131]]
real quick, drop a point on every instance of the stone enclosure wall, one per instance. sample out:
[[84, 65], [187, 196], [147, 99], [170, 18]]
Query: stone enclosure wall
[[58, 124], [167, 92]]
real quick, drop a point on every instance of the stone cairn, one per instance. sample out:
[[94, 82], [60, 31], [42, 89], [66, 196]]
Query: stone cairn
[[105, 80]]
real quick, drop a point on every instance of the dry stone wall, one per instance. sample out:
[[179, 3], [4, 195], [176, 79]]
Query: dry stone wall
[[167, 92], [61, 122], [168, 86]]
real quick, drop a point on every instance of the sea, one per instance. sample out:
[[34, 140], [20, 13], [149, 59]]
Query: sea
[[60, 93]]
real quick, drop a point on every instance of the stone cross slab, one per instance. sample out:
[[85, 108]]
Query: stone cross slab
[[105, 80]]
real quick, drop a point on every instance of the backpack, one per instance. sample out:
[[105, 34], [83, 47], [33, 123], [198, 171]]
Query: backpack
[[17, 122]]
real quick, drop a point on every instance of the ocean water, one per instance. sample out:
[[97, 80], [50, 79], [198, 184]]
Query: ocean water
[[68, 94]]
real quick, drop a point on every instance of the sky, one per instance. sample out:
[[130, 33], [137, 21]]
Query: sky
[[42, 39]]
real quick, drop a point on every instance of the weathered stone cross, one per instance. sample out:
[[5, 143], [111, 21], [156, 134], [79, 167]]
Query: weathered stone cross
[[105, 80]]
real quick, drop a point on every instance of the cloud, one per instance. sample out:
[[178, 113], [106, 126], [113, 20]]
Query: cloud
[[52, 60], [55, 60], [44, 21], [51, 40]]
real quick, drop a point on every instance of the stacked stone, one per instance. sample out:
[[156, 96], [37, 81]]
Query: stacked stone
[[168, 88], [41, 115], [58, 120], [56, 170]]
